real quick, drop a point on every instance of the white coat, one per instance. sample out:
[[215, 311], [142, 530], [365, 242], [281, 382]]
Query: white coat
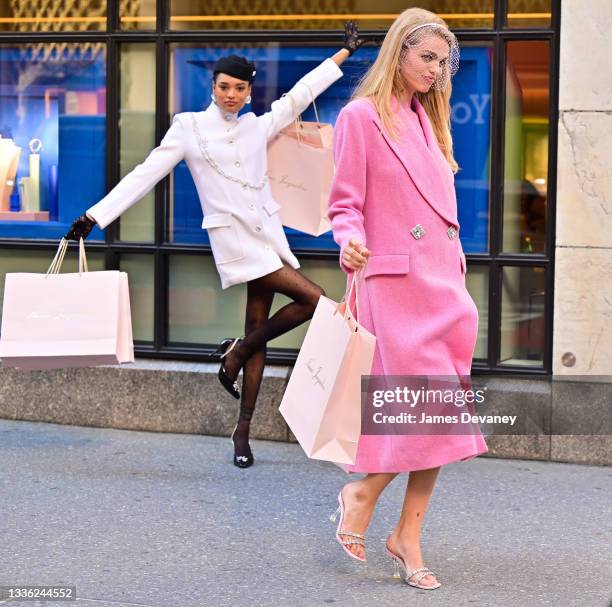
[[240, 214]]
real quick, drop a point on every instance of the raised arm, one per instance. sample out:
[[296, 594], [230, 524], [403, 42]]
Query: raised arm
[[310, 86], [142, 178]]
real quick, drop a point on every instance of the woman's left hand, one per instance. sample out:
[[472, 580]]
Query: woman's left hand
[[352, 41]]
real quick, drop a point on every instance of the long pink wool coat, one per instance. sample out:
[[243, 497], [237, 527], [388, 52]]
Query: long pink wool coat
[[413, 295]]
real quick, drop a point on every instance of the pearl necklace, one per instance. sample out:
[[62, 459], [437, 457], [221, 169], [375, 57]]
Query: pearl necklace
[[203, 145]]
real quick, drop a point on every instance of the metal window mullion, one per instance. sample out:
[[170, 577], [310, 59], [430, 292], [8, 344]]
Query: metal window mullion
[[496, 198], [500, 20], [551, 194], [112, 13], [112, 135], [160, 315], [163, 13]]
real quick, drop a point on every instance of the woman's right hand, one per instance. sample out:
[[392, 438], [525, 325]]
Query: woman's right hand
[[80, 228], [355, 255]]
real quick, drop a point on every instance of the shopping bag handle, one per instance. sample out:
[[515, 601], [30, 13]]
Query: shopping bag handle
[[58, 260], [355, 279], [297, 118]]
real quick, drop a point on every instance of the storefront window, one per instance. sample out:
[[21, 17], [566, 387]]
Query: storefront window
[[292, 14], [528, 13], [477, 282], [526, 147], [278, 68], [44, 16], [52, 136], [140, 270], [522, 321], [138, 15], [471, 130], [137, 133], [201, 313]]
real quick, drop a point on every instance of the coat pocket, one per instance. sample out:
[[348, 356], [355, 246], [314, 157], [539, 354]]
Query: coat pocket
[[224, 241], [387, 264]]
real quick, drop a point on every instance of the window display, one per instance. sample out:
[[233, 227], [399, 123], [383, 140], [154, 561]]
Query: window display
[[278, 68], [52, 136]]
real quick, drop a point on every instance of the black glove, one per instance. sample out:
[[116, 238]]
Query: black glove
[[80, 228], [352, 41]]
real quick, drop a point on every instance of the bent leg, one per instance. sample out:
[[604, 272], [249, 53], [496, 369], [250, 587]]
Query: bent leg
[[305, 295], [359, 498]]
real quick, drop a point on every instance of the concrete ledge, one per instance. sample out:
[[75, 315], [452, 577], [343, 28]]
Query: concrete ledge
[[167, 396], [156, 396]]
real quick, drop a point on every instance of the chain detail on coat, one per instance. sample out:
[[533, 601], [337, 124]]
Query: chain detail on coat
[[211, 161]]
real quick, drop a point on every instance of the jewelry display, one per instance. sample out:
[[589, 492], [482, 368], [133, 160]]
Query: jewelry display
[[33, 183], [9, 160]]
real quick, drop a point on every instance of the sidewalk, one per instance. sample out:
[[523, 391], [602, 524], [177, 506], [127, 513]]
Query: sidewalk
[[165, 520]]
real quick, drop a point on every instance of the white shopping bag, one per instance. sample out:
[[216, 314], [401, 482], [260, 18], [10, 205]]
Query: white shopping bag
[[322, 402], [57, 320]]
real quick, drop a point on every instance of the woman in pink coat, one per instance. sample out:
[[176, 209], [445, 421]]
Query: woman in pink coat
[[394, 215]]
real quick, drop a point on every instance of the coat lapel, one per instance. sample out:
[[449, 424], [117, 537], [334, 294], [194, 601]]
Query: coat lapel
[[423, 162]]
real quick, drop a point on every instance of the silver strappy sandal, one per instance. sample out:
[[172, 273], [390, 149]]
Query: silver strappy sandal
[[417, 574], [354, 538]]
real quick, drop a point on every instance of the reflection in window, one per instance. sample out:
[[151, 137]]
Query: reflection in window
[[320, 14], [140, 269], [526, 147], [52, 128], [201, 313], [528, 13], [137, 133], [471, 130], [45, 16], [278, 68], [477, 282], [522, 320], [138, 15]]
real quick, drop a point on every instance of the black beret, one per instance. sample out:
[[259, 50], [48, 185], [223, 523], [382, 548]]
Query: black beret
[[235, 66]]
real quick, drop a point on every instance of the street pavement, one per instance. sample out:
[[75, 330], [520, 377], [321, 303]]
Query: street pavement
[[164, 520]]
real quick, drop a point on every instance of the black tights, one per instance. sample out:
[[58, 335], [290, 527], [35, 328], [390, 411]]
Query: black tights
[[250, 352]]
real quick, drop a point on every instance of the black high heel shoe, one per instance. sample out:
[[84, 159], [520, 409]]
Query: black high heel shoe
[[225, 347], [241, 461]]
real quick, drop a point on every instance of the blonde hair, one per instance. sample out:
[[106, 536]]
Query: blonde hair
[[379, 88]]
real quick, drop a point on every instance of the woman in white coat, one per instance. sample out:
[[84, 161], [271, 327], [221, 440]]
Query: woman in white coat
[[226, 155]]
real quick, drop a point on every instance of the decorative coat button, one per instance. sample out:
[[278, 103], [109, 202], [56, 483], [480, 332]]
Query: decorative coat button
[[251, 206], [418, 231], [237, 163], [451, 233], [230, 141], [258, 228], [228, 117]]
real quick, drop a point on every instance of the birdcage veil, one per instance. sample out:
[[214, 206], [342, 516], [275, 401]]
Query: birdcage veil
[[415, 39]]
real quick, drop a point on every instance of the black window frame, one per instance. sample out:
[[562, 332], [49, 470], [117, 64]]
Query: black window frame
[[161, 250]]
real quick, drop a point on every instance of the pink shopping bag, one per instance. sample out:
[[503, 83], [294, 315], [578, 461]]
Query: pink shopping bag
[[322, 402], [301, 171], [57, 320]]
